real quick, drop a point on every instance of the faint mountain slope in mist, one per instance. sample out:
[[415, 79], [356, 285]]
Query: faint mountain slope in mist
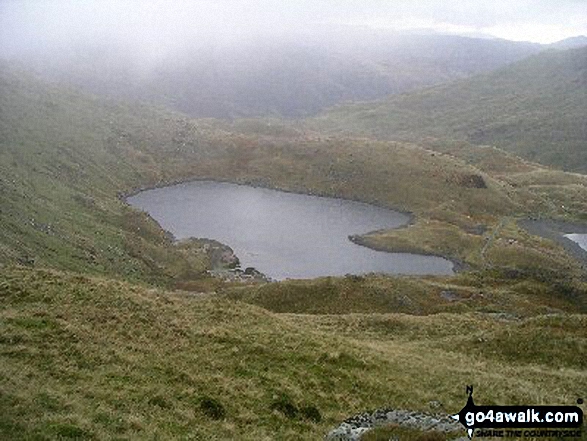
[[535, 108], [570, 43], [293, 75]]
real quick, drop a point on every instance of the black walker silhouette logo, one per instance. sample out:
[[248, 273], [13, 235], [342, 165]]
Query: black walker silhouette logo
[[499, 421]]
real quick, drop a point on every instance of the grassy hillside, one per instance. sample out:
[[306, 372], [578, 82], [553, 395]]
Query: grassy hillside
[[504, 292], [63, 159], [534, 108], [96, 344], [66, 157], [89, 358]]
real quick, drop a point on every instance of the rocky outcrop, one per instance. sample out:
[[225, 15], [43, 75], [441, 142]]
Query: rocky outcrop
[[353, 428], [225, 265]]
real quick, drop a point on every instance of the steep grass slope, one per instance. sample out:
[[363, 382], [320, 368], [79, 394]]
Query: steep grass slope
[[64, 158], [534, 108]]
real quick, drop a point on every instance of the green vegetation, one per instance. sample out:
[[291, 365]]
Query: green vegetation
[[92, 358], [510, 292], [534, 108], [65, 157], [111, 330]]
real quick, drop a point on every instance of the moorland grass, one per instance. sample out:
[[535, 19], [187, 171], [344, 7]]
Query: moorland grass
[[66, 158], [92, 358], [105, 351]]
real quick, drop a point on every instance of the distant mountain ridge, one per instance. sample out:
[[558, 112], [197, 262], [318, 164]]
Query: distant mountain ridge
[[570, 43], [294, 75], [535, 108]]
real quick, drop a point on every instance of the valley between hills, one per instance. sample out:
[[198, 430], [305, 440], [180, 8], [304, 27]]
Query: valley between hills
[[110, 329]]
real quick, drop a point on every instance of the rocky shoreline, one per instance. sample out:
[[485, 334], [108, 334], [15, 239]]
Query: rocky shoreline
[[555, 231], [358, 239], [223, 262]]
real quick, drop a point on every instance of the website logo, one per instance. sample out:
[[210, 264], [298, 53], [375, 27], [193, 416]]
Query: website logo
[[503, 421]]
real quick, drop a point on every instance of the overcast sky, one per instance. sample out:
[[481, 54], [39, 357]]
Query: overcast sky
[[162, 24]]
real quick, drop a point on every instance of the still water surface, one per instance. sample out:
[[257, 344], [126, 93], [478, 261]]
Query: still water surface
[[581, 239], [283, 235]]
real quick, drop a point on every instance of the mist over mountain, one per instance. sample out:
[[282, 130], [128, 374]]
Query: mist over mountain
[[535, 108], [112, 328], [292, 73], [570, 43]]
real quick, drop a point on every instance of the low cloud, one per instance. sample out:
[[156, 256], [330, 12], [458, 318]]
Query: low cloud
[[161, 26]]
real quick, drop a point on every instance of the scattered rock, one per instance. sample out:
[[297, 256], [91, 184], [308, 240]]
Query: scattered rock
[[353, 428], [346, 432], [26, 261], [250, 271], [435, 404], [450, 296], [223, 262]]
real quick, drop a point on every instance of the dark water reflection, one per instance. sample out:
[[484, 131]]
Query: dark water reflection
[[283, 235]]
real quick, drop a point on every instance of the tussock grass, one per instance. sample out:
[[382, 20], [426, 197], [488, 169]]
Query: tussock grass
[[513, 293], [91, 358]]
